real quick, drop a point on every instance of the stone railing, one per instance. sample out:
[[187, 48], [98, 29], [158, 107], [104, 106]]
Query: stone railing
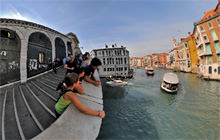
[[73, 124]]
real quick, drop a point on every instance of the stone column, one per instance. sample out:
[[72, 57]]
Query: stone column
[[23, 60]]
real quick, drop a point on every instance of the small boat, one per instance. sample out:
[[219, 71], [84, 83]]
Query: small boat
[[150, 71], [170, 82], [145, 69], [117, 83]]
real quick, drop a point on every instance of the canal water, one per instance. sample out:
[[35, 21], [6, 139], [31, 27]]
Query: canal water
[[142, 110]]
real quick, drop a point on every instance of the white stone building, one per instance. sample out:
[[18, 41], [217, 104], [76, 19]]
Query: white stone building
[[115, 61]]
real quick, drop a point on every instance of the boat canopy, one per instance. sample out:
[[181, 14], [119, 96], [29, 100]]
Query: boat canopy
[[171, 78], [150, 68]]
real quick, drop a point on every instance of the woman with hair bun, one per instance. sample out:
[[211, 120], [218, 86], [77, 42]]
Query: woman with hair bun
[[70, 82]]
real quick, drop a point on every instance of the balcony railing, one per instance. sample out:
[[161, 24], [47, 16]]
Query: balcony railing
[[207, 41], [215, 39], [199, 44]]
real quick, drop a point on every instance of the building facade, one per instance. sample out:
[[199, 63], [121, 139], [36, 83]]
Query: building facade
[[207, 34], [148, 60], [115, 61], [137, 62]]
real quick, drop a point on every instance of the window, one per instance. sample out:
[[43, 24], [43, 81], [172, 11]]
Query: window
[[201, 28], [104, 61], [103, 53], [125, 60], [113, 69], [210, 70], [187, 55], [208, 48], [41, 57], [219, 58], [210, 25], [214, 36], [218, 21], [218, 70], [125, 68], [217, 46], [210, 59], [205, 37], [104, 69]]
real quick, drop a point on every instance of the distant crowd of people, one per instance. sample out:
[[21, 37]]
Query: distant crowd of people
[[78, 68]]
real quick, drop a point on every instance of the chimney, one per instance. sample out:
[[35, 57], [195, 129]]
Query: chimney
[[189, 34], [174, 42]]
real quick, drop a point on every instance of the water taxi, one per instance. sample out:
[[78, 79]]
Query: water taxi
[[170, 82]]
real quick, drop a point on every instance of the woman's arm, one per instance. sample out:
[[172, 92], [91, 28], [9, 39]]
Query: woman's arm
[[72, 97], [80, 89]]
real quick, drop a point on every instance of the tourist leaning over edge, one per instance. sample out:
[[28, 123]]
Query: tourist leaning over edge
[[68, 96], [70, 65], [90, 70]]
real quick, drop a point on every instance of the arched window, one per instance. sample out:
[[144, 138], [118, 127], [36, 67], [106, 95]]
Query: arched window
[[60, 48], [39, 54], [10, 48], [210, 69]]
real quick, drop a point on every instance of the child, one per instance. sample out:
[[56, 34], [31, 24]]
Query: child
[[68, 97]]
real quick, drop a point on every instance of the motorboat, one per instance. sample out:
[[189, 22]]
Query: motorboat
[[170, 83], [150, 71], [117, 83]]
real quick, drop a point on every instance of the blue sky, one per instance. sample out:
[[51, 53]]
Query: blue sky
[[143, 26]]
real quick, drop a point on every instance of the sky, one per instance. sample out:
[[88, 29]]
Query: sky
[[142, 26]]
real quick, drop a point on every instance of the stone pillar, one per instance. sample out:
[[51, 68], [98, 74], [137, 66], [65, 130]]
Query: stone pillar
[[23, 60]]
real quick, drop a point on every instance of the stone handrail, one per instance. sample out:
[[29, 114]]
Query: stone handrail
[[73, 124]]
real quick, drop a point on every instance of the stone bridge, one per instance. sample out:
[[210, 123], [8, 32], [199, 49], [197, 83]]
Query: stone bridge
[[27, 49]]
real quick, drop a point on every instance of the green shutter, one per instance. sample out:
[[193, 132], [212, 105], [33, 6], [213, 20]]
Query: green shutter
[[214, 35], [208, 48], [210, 59], [216, 46], [219, 58]]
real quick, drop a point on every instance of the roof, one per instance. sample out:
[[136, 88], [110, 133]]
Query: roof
[[171, 78], [136, 58], [28, 23], [192, 36], [73, 35]]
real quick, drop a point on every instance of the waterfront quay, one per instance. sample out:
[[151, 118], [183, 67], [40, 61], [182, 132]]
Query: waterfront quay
[[142, 110]]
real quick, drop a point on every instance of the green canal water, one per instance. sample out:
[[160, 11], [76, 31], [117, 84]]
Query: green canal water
[[142, 110]]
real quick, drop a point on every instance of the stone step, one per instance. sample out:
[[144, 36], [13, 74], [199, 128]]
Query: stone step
[[10, 125], [2, 97], [42, 115], [29, 127]]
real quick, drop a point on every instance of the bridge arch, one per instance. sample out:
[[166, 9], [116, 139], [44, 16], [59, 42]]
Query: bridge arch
[[10, 48], [39, 53]]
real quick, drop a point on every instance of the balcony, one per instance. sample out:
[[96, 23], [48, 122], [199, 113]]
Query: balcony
[[215, 39], [206, 41], [208, 53], [201, 54], [199, 44], [218, 52], [205, 54]]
